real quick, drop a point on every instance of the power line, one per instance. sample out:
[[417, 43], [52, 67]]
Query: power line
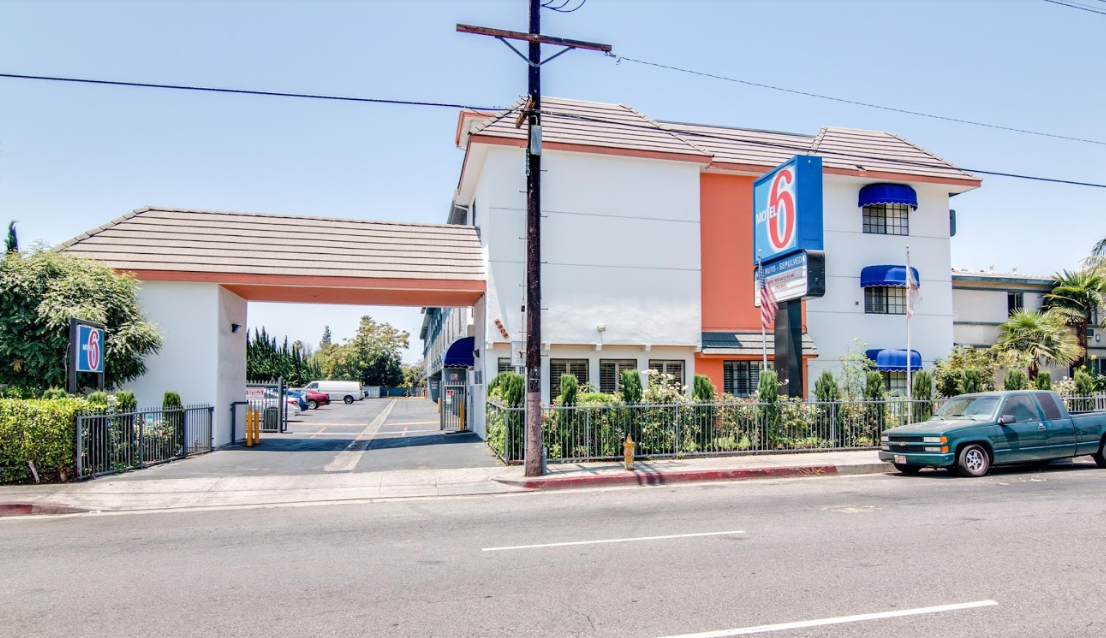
[[561, 7], [1073, 5], [209, 89], [893, 109], [799, 149]]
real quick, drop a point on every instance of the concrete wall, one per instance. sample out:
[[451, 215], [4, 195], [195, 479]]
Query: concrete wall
[[201, 359], [620, 249], [836, 319]]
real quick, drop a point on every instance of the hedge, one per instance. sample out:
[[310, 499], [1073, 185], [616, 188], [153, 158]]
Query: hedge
[[38, 430]]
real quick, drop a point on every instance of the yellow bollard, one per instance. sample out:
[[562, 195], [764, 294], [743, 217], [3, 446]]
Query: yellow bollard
[[439, 404], [628, 453], [257, 427], [249, 426], [462, 429]]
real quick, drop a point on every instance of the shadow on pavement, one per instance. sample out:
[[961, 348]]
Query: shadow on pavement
[[1006, 470], [385, 443]]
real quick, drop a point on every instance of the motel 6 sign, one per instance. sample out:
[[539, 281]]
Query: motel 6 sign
[[90, 348], [787, 209]]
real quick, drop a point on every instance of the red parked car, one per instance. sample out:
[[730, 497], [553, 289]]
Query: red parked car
[[315, 399]]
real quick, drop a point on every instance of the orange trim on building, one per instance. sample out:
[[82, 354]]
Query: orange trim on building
[[589, 148], [726, 248], [353, 283], [713, 366]]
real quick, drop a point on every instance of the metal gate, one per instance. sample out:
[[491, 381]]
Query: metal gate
[[271, 399], [452, 401]]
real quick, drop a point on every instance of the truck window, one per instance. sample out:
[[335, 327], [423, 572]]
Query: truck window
[[1019, 408], [1048, 404]]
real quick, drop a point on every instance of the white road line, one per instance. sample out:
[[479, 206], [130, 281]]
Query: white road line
[[610, 540], [348, 458], [802, 624]]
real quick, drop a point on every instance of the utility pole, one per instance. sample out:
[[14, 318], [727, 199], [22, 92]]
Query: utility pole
[[532, 111]]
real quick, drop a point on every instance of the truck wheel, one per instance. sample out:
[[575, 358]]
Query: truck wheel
[[973, 461], [1100, 457], [907, 469], [314, 405], [348, 400]]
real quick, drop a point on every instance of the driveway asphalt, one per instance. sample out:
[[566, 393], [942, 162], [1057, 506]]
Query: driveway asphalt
[[407, 439]]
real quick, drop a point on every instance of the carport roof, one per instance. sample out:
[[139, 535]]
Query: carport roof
[[247, 251]]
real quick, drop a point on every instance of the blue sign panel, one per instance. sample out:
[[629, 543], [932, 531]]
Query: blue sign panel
[[90, 349], [787, 208]]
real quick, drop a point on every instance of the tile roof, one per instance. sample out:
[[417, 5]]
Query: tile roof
[[748, 343], [593, 124], [181, 240], [619, 126]]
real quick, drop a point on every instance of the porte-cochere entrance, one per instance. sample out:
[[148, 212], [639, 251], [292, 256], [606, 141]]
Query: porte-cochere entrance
[[199, 269]]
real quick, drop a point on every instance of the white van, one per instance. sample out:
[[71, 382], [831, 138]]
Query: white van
[[346, 391]]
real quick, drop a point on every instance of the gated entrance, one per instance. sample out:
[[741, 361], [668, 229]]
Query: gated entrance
[[453, 404], [271, 400]]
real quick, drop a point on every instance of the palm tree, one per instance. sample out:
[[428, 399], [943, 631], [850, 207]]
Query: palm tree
[[1075, 296], [1040, 337]]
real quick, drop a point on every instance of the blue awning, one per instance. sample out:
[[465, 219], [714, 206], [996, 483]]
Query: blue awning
[[886, 275], [459, 354], [888, 194], [894, 360]]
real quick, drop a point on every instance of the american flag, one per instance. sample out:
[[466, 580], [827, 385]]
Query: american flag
[[767, 300], [912, 287]]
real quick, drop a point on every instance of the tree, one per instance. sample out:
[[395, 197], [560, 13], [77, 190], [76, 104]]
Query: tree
[[631, 387], [826, 389], [1075, 296], [41, 292], [855, 365], [971, 381], [372, 356], [266, 362], [325, 342], [703, 390], [1041, 338], [11, 244], [1043, 381]]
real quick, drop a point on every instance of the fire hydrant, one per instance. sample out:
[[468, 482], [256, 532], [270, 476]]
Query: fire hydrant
[[628, 452]]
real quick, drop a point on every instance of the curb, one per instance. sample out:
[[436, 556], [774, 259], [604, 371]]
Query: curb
[[639, 477], [35, 509]]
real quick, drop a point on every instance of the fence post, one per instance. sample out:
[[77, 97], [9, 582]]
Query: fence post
[[80, 448], [211, 428], [833, 423], [141, 439]]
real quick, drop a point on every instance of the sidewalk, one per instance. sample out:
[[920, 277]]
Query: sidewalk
[[109, 494]]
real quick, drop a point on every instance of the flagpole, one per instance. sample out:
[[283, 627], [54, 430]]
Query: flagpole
[[763, 330], [909, 311]]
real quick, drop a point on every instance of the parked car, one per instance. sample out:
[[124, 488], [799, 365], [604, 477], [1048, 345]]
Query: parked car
[[973, 432], [346, 391], [314, 399]]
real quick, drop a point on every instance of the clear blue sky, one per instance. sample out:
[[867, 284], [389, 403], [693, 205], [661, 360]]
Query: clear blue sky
[[73, 157]]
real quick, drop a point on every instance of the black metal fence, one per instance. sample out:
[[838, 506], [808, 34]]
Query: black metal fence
[[595, 433], [271, 399], [109, 442]]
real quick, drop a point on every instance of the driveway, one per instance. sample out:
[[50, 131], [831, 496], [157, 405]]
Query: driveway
[[366, 436]]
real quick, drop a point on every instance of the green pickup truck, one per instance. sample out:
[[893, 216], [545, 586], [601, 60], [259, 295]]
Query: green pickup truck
[[972, 432]]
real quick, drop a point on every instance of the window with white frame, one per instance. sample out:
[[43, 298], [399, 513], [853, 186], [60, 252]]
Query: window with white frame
[[895, 383], [885, 300], [610, 373], [504, 365], [887, 219]]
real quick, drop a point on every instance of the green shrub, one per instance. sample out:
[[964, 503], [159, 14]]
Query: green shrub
[[949, 383], [98, 398], [1015, 380], [37, 430], [873, 386], [971, 380], [631, 387], [922, 408], [826, 389], [703, 390], [125, 401], [55, 393], [769, 416], [170, 400], [1084, 383], [569, 388], [1043, 381]]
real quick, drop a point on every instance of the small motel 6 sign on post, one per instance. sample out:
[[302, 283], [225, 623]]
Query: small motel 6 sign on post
[[86, 347]]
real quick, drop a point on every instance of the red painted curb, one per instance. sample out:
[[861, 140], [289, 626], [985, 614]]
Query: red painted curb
[[638, 477], [34, 509]]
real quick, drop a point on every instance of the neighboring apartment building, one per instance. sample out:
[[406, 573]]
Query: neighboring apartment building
[[647, 244], [983, 300]]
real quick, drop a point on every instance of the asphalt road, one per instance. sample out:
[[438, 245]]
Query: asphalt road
[[811, 549]]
